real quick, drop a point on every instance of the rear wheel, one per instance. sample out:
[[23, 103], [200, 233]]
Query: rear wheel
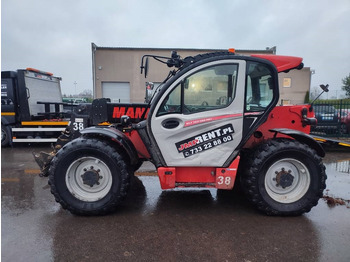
[[89, 177], [284, 177]]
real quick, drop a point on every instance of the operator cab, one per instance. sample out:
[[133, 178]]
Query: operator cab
[[209, 107]]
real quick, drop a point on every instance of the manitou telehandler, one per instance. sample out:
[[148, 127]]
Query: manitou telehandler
[[214, 118]]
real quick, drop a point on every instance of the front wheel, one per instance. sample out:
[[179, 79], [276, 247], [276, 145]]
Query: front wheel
[[89, 177], [284, 177]]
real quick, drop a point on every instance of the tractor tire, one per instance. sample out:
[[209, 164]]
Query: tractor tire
[[284, 178], [89, 177], [5, 136]]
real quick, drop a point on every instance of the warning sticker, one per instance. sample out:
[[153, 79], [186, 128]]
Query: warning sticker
[[205, 141]]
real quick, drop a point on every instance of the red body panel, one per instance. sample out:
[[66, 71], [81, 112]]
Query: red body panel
[[138, 143], [281, 117], [167, 177], [221, 178], [282, 63], [195, 175], [225, 177]]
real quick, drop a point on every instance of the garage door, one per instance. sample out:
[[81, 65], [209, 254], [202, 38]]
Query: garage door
[[118, 92]]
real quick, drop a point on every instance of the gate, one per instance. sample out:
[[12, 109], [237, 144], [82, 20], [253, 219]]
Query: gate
[[333, 118]]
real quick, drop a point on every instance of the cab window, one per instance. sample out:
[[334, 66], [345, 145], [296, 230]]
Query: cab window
[[208, 89], [259, 87]]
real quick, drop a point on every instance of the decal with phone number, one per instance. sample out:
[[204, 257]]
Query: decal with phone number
[[205, 141]]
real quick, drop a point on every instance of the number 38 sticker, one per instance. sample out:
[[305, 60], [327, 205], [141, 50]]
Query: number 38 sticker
[[224, 182], [78, 124]]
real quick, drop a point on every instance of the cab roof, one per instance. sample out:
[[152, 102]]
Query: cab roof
[[282, 63]]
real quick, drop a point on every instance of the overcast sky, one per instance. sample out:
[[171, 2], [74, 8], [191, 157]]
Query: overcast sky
[[56, 36]]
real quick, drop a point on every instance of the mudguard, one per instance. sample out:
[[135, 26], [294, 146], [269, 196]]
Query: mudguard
[[301, 137], [116, 136]]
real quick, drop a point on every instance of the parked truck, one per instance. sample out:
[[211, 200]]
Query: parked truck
[[31, 107], [214, 122]]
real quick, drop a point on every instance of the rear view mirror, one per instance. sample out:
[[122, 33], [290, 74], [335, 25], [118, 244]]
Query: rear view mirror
[[324, 88], [146, 67]]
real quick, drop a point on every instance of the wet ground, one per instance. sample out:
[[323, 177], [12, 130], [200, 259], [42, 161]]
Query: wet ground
[[176, 225]]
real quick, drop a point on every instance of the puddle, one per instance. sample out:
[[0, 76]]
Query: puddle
[[337, 192], [342, 166]]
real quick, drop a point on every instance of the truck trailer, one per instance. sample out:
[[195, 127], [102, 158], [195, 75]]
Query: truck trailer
[[31, 107]]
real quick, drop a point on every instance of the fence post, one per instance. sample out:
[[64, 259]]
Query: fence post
[[340, 109]]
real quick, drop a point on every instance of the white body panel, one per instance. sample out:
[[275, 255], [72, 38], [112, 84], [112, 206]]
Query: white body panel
[[207, 127]]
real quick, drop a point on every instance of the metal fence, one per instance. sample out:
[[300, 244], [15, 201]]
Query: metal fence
[[333, 118]]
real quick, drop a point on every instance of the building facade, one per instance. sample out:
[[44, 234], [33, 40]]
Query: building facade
[[116, 73]]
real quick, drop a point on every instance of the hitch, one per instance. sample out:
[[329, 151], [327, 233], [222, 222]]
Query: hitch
[[43, 160]]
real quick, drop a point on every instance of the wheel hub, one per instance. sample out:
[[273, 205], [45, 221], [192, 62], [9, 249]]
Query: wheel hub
[[284, 178], [91, 177], [287, 180]]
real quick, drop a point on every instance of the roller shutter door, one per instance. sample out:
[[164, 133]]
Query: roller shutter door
[[118, 92]]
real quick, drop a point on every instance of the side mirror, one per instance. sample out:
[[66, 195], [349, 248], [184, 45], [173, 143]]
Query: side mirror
[[146, 67], [325, 88]]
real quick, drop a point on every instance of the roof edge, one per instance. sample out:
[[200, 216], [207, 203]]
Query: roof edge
[[268, 50]]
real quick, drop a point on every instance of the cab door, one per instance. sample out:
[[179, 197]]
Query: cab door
[[199, 119]]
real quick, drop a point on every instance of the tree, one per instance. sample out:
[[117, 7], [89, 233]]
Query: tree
[[346, 85], [87, 93]]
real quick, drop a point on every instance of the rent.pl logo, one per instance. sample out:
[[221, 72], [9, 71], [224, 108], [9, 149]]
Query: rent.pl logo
[[206, 140]]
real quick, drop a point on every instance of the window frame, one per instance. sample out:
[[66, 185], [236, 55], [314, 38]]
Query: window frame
[[255, 83], [182, 83]]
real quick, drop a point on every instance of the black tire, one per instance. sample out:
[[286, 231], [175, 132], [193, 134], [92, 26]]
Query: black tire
[[5, 135], [284, 177], [89, 177]]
